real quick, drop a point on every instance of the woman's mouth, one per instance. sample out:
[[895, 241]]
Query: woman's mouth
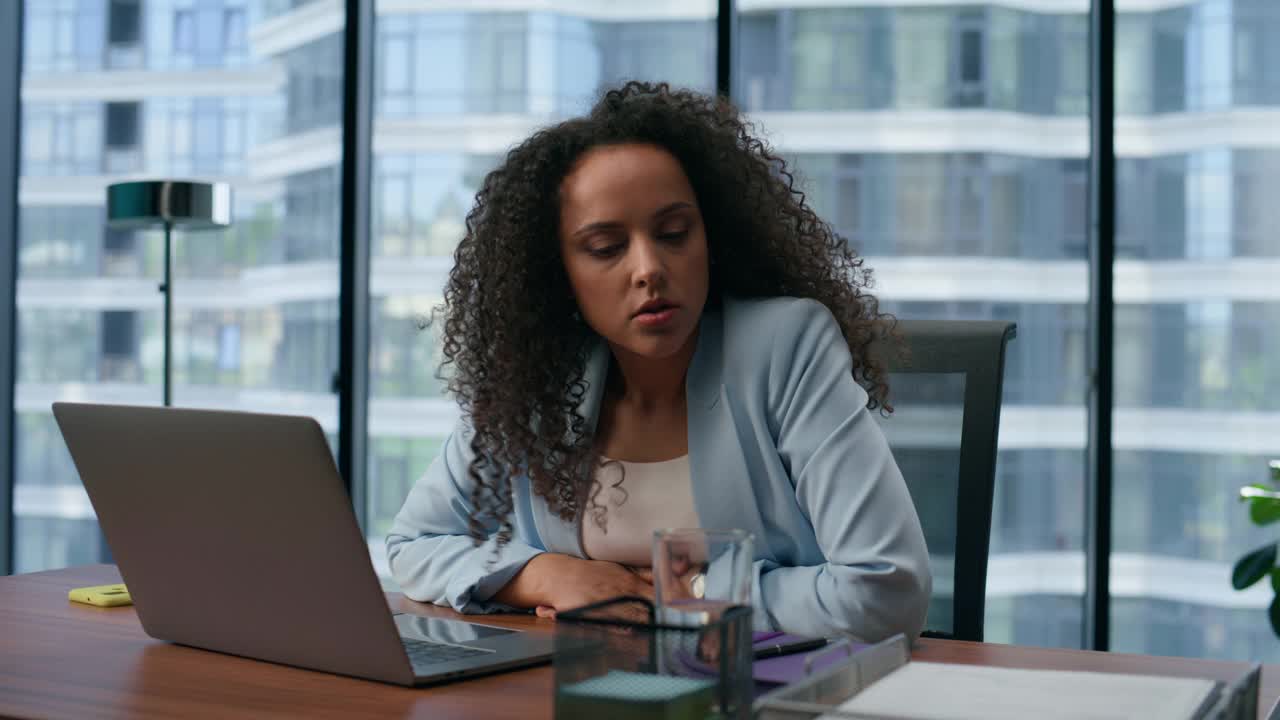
[[656, 313], [657, 318]]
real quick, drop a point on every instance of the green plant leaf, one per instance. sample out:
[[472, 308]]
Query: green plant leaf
[[1273, 613], [1252, 567], [1264, 511], [1275, 580]]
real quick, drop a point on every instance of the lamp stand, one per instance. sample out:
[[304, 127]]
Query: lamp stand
[[187, 204], [166, 287]]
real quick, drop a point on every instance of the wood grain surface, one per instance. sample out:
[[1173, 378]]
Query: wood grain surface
[[65, 660]]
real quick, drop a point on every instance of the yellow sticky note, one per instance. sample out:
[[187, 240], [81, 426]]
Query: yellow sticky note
[[101, 595]]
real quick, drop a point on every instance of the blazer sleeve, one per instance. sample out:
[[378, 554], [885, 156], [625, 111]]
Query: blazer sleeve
[[431, 554], [876, 581]]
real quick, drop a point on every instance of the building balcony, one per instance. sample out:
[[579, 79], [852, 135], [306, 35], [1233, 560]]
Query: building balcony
[[901, 279], [1007, 133], [265, 79], [297, 27], [837, 132]]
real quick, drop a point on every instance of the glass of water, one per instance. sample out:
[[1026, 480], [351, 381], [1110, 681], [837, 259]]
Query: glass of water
[[698, 573]]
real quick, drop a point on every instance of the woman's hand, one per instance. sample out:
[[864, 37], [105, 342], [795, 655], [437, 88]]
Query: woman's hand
[[551, 582]]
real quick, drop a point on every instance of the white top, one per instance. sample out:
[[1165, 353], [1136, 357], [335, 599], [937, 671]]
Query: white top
[[651, 496]]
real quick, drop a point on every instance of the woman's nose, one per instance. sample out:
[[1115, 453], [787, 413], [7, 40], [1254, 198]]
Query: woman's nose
[[648, 268]]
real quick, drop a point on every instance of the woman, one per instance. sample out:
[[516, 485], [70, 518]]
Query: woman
[[646, 326]]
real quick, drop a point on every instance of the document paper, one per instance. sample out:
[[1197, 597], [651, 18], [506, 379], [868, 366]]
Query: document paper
[[939, 691]]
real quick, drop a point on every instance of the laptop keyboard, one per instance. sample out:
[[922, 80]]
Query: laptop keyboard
[[423, 653]]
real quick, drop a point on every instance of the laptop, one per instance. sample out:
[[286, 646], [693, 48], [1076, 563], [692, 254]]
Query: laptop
[[235, 533]]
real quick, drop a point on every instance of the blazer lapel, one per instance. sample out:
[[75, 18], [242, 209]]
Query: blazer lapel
[[723, 495]]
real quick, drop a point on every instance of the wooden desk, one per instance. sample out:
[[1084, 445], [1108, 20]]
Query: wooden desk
[[62, 659]]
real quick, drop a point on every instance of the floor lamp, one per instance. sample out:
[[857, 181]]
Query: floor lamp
[[169, 204]]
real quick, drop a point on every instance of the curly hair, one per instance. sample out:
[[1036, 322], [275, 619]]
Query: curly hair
[[515, 348]]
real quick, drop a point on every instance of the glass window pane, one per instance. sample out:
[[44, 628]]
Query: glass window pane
[[920, 58], [234, 32], [124, 18], [1197, 390], [122, 124], [37, 143], [458, 88], [256, 326], [395, 65], [960, 222], [184, 32], [971, 55]]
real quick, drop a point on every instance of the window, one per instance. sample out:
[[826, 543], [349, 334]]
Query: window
[[1254, 214], [970, 66], [314, 87], [968, 188], [1170, 226], [1190, 347], [1006, 181], [849, 193], [57, 242], [1075, 209], [229, 347], [119, 253], [122, 124], [445, 81], [184, 32], [952, 223], [394, 68], [759, 73], [308, 197], [124, 35], [118, 333], [60, 36], [234, 32], [919, 64], [122, 153], [1169, 63], [120, 362], [206, 138], [1072, 97], [495, 65], [920, 205], [124, 22], [970, 56], [830, 53], [38, 128], [61, 138], [263, 328]]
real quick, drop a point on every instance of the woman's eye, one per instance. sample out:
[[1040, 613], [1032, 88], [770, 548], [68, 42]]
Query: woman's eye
[[605, 251], [673, 234]]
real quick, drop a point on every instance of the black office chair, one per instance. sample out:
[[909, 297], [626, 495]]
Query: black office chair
[[946, 391]]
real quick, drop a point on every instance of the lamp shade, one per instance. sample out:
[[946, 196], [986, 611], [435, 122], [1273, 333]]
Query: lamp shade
[[187, 204]]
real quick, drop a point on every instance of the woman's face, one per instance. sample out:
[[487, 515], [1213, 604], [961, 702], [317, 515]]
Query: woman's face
[[634, 247]]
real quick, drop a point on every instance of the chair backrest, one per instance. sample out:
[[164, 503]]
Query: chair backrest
[[946, 391]]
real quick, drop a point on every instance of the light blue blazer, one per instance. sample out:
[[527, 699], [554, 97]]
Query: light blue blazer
[[780, 444]]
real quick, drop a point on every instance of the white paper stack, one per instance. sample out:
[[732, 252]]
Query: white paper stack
[[934, 691]]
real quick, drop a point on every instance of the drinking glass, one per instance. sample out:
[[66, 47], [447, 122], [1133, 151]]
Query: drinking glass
[[698, 573]]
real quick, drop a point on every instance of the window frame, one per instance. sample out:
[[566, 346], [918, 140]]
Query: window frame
[[11, 56]]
